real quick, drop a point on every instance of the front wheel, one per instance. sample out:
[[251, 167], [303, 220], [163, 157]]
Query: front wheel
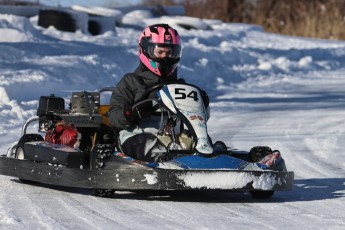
[[107, 193], [261, 194]]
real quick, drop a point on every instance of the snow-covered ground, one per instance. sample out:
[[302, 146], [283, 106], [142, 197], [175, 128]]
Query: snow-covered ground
[[265, 89]]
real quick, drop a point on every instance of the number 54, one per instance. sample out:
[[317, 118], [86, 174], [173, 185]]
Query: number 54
[[181, 94]]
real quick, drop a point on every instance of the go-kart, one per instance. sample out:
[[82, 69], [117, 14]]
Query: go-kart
[[76, 147]]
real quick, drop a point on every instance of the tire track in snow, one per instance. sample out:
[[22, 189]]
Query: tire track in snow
[[88, 209], [32, 210], [148, 209]]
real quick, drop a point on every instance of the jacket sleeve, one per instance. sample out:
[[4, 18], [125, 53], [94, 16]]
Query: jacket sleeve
[[121, 97]]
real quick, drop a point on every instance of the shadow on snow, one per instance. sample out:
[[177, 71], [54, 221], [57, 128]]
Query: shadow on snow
[[304, 190]]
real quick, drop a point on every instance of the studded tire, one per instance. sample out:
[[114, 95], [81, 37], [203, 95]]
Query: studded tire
[[102, 153]]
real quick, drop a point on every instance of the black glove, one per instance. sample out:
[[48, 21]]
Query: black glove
[[139, 112]]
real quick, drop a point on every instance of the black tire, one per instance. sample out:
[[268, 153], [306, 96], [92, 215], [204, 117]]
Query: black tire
[[20, 151], [102, 152], [20, 154], [259, 152], [219, 146], [94, 27], [260, 194], [100, 192], [60, 20]]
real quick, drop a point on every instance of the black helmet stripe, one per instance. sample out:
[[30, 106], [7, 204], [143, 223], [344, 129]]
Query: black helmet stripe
[[167, 35]]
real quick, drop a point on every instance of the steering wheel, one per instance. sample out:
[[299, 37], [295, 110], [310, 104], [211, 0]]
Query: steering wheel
[[144, 101], [150, 90]]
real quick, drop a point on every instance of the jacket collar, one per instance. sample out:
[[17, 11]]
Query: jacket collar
[[152, 78]]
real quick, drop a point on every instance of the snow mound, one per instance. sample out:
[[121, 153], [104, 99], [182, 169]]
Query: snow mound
[[96, 10], [18, 29], [135, 17]]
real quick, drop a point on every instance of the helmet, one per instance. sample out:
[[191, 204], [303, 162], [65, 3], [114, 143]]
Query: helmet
[[164, 37]]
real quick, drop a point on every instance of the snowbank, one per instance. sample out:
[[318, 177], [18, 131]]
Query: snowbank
[[106, 19], [18, 29]]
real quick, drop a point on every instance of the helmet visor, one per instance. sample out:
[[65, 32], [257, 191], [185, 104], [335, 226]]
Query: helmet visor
[[158, 51]]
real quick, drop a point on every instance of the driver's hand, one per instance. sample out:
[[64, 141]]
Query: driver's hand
[[141, 111]]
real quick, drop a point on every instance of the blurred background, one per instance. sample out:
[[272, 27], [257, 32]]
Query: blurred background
[[313, 18]]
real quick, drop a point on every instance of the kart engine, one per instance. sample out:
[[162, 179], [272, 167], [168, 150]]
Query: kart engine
[[82, 125], [64, 134], [57, 131]]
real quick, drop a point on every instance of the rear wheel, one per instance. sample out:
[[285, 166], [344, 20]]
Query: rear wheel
[[20, 151], [260, 194]]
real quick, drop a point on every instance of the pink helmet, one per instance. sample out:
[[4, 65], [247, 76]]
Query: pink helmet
[[160, 36]]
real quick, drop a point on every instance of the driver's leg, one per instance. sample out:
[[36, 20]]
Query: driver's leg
[[140, 147]]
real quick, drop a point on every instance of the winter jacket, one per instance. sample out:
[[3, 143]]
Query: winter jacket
[[130, 89]]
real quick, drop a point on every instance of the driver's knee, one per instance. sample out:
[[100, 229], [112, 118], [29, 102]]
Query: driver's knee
[[139, 146]]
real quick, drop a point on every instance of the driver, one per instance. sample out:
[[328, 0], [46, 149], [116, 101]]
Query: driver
[[159, 54]]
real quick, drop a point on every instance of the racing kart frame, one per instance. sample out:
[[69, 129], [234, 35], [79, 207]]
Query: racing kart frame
[[85, 152]]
